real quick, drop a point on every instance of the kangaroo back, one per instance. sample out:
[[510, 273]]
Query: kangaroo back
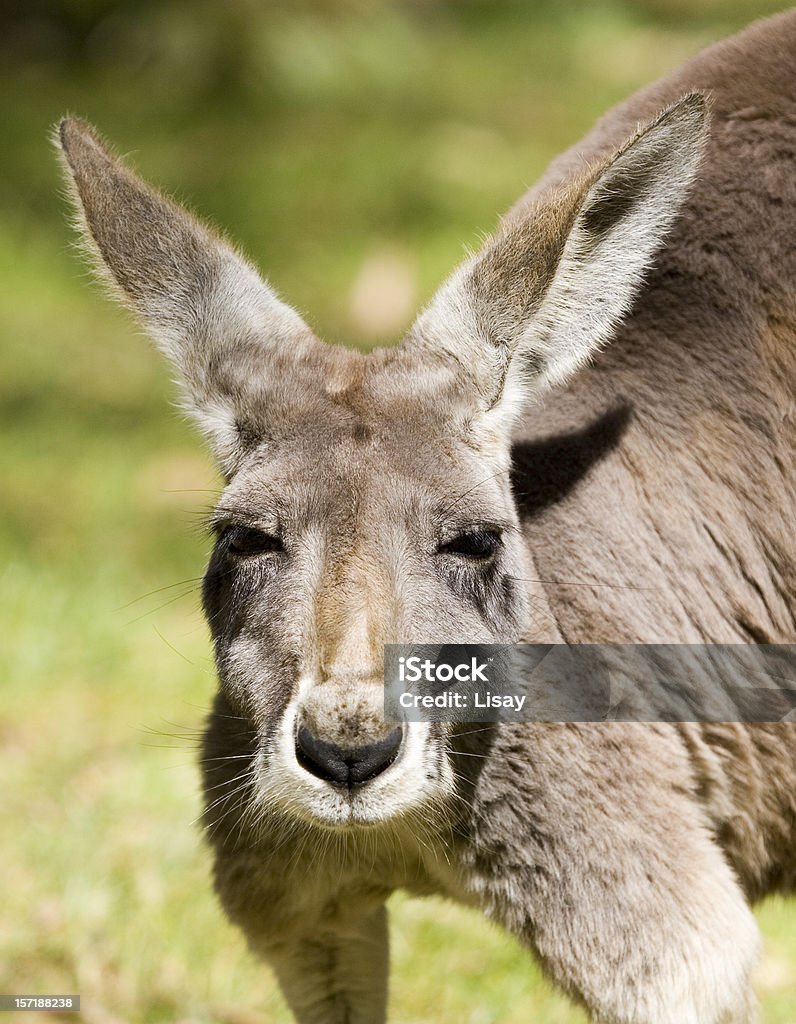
[[680, 441], [678, 446]]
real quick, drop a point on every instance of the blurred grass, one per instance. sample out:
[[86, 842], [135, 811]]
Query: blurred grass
[[352, 148]]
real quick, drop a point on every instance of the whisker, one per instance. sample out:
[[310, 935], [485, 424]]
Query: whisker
[[446, 511], [158, 590], [226, 757], [189, 490], [185, 730], [473, 732], [208, 711], [152, 611], [579, 583], [172, 647]]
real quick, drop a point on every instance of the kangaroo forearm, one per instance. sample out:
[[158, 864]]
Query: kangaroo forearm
[[338, 976]]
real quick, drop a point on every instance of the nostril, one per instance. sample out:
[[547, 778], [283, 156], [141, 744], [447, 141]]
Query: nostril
[[369, 761], [342, 767], [322, 759]]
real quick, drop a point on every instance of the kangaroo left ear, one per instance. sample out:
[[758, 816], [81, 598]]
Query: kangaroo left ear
[[550, 288], [205, 307]]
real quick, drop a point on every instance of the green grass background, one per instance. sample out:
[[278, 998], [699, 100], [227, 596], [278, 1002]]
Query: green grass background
[[353, 149]]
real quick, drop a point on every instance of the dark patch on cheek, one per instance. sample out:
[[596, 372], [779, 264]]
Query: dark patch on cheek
[[238, 604], [499, 600], [488, 590], [508, 594], [361, 432], [211, 596], [222, 610]]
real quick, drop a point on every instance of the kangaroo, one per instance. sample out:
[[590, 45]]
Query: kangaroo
[[504, 474]]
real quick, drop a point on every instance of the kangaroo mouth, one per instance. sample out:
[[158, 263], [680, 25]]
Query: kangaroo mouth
[[309, 777]]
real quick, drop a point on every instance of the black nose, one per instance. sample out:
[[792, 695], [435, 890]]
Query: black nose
[[346, 767]]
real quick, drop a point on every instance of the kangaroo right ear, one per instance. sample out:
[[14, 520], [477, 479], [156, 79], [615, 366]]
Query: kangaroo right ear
[[203, 305], [553, 284]]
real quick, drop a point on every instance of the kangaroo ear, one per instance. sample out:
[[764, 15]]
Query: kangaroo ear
[[549, 289], [203, 305]]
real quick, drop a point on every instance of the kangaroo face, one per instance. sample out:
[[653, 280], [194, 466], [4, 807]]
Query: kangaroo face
[[370, 519], [367, 498]]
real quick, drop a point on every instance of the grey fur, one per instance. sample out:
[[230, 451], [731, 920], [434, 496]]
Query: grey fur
[[625, 857]]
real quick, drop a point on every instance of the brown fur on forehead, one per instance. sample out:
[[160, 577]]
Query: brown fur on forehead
[[342, 450], [339, 464], [338, 395]]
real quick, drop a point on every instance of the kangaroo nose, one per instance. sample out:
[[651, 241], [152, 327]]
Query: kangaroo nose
[[346, 767]]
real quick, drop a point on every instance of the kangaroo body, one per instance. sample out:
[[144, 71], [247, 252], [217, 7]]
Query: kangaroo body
[[678, 446], [368, 501]]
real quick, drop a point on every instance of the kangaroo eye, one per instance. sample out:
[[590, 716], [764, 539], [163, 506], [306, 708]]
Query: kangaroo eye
[[478, 545], [244, 541]]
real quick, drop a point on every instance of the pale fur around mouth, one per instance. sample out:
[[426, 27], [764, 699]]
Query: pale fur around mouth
[[405, 786]]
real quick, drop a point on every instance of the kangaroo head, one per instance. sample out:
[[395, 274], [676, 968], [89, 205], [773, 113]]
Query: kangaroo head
[[367, 497]]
